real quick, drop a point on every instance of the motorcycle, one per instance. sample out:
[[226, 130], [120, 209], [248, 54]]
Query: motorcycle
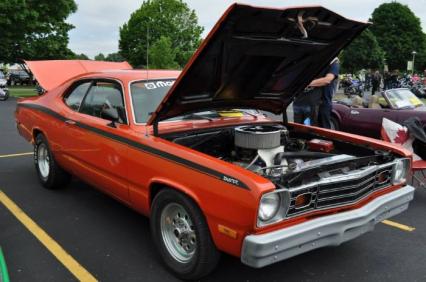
[[419, 90], [416, 87], [353, 87]]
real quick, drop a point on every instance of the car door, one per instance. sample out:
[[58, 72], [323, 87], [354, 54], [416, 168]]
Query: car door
[[366, 121], [91, 145]]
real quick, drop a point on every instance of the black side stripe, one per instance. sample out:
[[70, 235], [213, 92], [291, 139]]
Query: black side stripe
[[142, 147]]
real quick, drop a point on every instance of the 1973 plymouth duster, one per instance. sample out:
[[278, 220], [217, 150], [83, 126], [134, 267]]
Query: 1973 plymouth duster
[[192, 150]]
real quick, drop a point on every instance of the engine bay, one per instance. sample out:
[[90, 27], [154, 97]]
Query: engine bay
[[280, 153]]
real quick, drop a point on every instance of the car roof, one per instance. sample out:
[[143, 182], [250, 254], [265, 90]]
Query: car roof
[[131, 75]]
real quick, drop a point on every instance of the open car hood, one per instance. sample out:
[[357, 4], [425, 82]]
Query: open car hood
[[51, 74], [258, 58]]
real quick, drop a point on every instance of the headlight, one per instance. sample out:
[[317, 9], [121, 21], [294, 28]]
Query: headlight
[[269, 206], [400, 171]]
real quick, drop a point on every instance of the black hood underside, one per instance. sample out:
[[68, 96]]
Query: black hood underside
[[258, 58]]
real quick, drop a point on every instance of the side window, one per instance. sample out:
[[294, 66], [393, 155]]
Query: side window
[[74, 99], [102, 96]]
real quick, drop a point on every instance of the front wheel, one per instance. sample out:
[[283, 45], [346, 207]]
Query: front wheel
[[50, 174], [5, 95], [182, 236]]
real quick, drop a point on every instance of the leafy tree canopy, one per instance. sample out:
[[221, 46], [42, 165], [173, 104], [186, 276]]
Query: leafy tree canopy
[[114, 57], [363, 53], [100, 57], [398, 32], [34, 29], [162, 55], [79, 57], [156, 18]]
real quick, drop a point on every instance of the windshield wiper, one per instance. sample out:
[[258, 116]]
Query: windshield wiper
[[407, 108]]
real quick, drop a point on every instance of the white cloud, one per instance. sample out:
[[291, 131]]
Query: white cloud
[[97, 22]]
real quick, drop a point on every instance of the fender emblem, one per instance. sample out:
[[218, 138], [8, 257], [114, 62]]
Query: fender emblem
[[230, 180]]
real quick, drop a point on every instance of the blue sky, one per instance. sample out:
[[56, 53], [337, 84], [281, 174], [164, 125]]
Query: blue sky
[[97, 22]]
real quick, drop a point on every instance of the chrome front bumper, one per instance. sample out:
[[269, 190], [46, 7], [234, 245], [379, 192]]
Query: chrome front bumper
[[264, 249]]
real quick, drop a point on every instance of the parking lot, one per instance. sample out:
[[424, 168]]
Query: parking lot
[[78, 233]]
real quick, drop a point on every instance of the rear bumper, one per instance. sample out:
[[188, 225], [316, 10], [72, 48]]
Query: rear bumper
[[265, 249]]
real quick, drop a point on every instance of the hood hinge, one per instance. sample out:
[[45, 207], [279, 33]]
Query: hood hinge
[[155, 127]]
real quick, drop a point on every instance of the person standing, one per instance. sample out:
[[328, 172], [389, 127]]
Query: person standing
[[377, 79], [305, 107], [328, 85]]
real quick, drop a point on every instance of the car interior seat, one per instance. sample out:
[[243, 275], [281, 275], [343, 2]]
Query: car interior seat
[[373, 103], [357, 102]]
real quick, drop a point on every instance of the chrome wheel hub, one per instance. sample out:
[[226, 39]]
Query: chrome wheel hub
[[178, 232], [43, 160]]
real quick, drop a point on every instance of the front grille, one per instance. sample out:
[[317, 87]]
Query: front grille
[[341, 190]]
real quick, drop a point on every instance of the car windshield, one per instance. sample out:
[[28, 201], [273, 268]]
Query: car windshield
[[147, 95], [403, 99], [23, 73], [1, 75]]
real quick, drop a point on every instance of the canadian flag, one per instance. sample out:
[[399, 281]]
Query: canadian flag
[[395, 133]]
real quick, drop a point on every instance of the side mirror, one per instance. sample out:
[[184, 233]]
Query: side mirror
[[110, 114]]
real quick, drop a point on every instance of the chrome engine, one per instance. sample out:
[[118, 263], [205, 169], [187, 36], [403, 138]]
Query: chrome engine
[[262, 149], [256, 147], [259, 136]]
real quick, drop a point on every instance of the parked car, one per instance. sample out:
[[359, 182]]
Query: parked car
[[366, 118], [3, 80], [19, 77], [190, 150], [4, 91]]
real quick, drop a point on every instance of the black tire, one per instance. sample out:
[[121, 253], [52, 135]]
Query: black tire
[[205, 256], [335, 123], [56, 177]]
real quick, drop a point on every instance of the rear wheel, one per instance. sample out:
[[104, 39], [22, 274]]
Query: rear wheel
[[182, 236], [50, 175], [334, 123]]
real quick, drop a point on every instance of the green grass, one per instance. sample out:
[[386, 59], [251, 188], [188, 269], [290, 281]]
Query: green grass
[[22, 91]]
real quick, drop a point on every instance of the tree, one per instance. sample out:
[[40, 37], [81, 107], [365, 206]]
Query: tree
[[156, 18], [100, 57], [35, 29], [79, 57], [364, 52], [162, 55], [398, 32], [114, 57], [420, 62]]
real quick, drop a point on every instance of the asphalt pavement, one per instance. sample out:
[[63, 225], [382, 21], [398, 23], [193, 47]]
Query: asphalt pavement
[[113, 243]]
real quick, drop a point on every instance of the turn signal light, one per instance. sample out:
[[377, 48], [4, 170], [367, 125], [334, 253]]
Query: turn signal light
[[227, 231], [303, 200]]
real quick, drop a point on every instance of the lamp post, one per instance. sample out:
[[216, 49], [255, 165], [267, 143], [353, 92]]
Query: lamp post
[[414, 57]]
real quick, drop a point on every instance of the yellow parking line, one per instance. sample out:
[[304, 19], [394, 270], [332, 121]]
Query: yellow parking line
[[398, 225], [69, 262], [16, 155]]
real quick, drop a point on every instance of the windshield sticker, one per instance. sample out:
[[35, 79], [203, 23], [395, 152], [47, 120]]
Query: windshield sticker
[[158, 84], [402, 103], [415, 101]]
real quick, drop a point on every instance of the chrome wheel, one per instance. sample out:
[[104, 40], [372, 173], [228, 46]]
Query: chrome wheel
[[178, 232], [43, 160]]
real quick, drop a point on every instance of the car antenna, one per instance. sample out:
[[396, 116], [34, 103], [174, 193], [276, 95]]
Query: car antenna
[[147, 52]]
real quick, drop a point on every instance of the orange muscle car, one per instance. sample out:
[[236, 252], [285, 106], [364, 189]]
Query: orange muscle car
[[193, 151]]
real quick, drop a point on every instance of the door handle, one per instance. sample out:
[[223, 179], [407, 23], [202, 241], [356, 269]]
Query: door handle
[[70, 122], [354, 112]]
